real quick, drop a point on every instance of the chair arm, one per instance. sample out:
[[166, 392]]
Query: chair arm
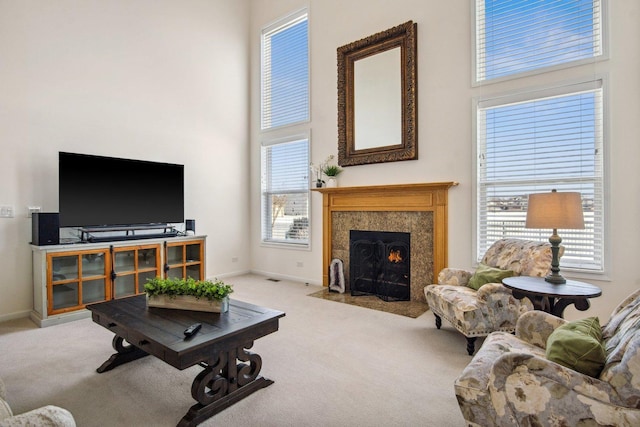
[[518, 374], [47, 416], [490, 291], [454, 276], [535, 327]]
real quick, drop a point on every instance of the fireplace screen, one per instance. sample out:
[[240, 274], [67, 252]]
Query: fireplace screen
[[379, 264]]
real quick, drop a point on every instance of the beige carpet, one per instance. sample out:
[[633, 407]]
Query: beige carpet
[[333, 365]]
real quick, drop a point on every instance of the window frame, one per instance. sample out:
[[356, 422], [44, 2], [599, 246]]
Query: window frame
[[274, 26], [286, 133], [532, 94], [603, 56]]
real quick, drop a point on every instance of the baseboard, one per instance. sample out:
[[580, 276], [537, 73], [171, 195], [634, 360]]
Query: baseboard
[[231, 274], [13, 316], [287, 277]]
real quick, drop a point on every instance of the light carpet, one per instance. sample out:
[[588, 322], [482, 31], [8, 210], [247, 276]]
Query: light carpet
[[333, 365]]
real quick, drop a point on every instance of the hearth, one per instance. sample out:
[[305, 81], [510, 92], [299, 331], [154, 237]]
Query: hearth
[[379, 264]]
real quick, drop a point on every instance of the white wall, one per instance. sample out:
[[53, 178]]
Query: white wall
[[157, 80], [445, 125]]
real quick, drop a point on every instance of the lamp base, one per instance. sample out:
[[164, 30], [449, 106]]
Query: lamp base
[[555, 279]]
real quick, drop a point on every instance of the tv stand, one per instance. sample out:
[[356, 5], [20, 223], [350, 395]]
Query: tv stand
[[67, 277], [89, 234]]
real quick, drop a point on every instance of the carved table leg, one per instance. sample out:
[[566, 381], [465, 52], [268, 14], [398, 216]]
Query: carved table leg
[[224, 383], [125, 353], [581, 304]]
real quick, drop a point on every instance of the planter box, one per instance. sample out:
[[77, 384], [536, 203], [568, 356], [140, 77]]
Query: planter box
[[188, 302]]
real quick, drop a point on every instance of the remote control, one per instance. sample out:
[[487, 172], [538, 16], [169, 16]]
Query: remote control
[[191, 330]]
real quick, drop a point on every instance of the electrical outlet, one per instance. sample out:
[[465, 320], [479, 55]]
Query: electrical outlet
[[234, 259], [299, 264], [6, 211], [32, 209]]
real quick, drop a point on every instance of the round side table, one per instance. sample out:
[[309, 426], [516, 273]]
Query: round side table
[[550, 297]]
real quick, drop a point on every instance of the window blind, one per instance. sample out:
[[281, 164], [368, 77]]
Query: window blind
[[285, 73], [536, 145], [285, 191], [516, 36]]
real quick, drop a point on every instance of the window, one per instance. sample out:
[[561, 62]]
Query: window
[[285, 132], [285, 192], [518, 36], [285, 73], [536, 142]]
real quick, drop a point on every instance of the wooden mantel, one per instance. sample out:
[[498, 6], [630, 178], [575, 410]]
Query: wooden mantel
[[431, 197]]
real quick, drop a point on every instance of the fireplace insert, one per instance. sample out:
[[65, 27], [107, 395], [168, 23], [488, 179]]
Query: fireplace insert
[[379, 264]]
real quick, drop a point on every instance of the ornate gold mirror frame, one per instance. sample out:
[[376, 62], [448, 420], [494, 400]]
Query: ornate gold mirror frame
[[352, 151]]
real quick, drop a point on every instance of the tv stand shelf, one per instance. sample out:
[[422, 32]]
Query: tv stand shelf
[[68, 277]]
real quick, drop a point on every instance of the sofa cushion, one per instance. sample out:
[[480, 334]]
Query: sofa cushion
[[485, 274], [578, 345]]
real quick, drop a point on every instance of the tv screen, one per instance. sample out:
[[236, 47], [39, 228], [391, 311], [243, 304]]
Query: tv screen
[[108, 191]]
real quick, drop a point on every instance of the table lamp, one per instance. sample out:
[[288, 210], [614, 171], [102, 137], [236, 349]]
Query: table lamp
[[555, 210]]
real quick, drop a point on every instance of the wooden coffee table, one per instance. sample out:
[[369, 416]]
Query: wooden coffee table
[[550, 297], [222, 341]]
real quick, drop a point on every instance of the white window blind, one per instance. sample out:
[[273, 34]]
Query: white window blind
[[285, 192], [285, 73], [285, 150], [554, 140], [516, 36]]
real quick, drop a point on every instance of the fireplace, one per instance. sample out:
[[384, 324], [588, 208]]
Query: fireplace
[[380, 264], [418, 209]]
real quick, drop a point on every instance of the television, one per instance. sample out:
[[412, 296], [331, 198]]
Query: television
[[96, 191]]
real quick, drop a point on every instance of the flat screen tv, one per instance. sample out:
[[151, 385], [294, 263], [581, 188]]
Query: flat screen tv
[[97, 191]]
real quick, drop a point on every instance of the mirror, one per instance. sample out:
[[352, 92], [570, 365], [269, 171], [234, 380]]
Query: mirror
[[377, 98]]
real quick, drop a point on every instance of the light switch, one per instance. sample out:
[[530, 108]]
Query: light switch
[[6, 211]]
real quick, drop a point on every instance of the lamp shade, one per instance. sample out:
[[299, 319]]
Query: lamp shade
[[555, 210]]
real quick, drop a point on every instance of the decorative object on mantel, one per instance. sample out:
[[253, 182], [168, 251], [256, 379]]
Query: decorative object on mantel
[[336, 276], [188, 294], [331, 171]]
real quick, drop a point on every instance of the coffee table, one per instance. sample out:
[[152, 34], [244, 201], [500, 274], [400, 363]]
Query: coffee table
[[550, 297], [222, 341]]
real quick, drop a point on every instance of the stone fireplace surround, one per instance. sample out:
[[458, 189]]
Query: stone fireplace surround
[[419, 209]]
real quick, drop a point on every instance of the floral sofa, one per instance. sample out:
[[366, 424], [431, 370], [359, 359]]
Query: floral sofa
[[510, 382], [47, 416], [477, 313]]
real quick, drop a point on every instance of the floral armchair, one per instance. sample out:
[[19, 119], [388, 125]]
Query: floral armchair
[[477, 313], [510, 382], [47, 416]]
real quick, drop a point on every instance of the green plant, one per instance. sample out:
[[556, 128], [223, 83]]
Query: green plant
[[332, 170], [210, 290]]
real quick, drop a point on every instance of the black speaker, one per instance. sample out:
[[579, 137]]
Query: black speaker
[[191, 225], [45, 228]]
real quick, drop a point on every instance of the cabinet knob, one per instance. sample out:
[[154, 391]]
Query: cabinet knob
[[143, 342], [111, 325]]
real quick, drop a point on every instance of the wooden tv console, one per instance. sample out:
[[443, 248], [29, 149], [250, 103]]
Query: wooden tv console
[[67, 277]]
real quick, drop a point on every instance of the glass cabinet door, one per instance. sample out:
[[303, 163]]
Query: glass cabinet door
[[175, 255], [185, 260], [76, 279], [133, 266]]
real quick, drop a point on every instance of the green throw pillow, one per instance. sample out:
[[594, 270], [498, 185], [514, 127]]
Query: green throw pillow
[[485, 274], [578, 345]]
